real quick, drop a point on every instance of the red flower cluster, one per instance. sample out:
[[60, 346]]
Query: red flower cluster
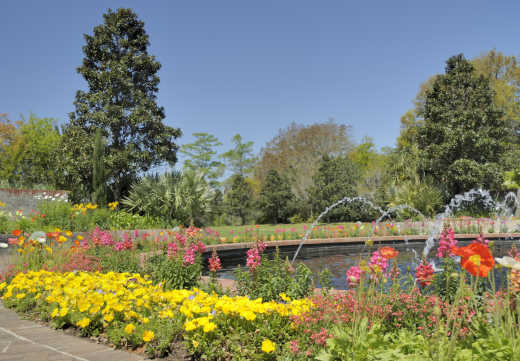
[[214, 263], [424, 273]]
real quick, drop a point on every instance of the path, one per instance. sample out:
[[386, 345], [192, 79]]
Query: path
[[22, 340]]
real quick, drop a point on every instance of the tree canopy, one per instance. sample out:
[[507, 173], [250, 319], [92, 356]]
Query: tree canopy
[[121, 101], [464, 134], [296, 152]]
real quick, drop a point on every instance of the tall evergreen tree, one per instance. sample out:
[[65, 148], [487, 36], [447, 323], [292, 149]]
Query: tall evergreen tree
[[99, 195], [464, 135], [121, 100], [238, 198], [276, 198], [335, 179]]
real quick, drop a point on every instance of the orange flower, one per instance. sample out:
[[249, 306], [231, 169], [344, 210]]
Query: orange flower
[[476, 258], [388, 252], [17, 232]]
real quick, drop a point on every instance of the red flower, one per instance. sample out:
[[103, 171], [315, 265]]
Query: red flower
[[424, 273], [17, 232], [475, 258], [388, 252]]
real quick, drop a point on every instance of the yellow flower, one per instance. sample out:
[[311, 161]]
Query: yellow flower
[[68, 234], [268, 346], [146, 320], [109, 317], [20, 296], [148, 336], [64, 311], [48, 249], [129, 328], [79, 237], [194, 343], [55, 312], [84, 322], [210, 326]]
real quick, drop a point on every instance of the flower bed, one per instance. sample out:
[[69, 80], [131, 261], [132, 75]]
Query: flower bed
[[133, 312]]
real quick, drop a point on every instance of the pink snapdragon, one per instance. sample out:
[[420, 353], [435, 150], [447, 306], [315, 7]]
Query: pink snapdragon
[[181, 239], [446, 242], [172, 249], [354, 274], [377, 261], [189, 255], [119, 246]]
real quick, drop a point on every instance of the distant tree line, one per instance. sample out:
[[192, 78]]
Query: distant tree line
[[462, 133]]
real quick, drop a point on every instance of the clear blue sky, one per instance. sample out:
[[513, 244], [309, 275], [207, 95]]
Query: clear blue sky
[[252, 67]]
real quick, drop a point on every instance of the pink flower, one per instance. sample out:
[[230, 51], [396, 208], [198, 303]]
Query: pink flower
[[119, 246], [189, 255], [172, 249], [200, 247], [294, 346], [354, 274], [378, 261], [253, 258], [446, 242], [181, 239]]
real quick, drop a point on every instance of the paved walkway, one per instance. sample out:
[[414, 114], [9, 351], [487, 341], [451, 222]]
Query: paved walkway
[[28, 341]]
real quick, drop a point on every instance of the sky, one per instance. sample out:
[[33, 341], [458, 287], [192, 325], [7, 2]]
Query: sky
[[253, 67]]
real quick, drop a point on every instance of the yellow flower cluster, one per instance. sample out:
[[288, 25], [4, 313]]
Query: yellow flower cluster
[[2, 204], [83, 207], [132, 301], [113, 205]]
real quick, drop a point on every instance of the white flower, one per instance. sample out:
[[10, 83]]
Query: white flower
[[508, 262], [3, 245]]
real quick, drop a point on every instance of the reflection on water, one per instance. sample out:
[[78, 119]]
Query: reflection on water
[[339, 258]]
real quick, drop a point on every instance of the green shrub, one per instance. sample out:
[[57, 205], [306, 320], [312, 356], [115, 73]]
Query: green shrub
[[172, 272], [273, 277]]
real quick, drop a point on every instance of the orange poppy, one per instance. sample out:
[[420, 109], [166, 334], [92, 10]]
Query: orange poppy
[[476, 258], [17, 232], [388, 252]]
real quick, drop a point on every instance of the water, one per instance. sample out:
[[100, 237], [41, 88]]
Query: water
[[501, 209], [339, 258]]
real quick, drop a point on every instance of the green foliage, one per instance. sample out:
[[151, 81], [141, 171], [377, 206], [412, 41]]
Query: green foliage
[[172, 272], [117, 261], [273, 277], [28, 153], [173, 197], [335, 179], [201, 157], [421, 195], [240, 159], [238, 199], [121, 101], [371, 165], [126, 220], [275, 199], [464, 134], [446, 283], [99, 196], [297, 150]]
